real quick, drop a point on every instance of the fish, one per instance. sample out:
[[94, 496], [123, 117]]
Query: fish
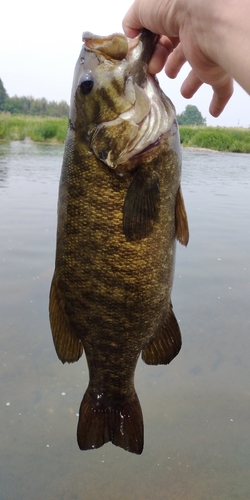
[[120, 212]]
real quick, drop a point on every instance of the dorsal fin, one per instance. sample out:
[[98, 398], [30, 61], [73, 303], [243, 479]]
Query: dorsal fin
[[181, 222]]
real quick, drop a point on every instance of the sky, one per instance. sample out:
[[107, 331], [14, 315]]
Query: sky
[[40, 43]]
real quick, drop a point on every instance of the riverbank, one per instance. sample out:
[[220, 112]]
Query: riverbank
[[46, 129], [37, 128], [234, 140]]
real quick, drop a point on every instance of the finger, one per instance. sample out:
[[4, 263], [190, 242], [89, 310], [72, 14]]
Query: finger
[[190, 85], [175, 62], [162, 50], [166, 41], [130, 32], [131, 23], [221, 97]]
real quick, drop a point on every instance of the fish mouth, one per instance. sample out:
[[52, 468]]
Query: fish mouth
[[132, 44], [148, 114], [139, 129]]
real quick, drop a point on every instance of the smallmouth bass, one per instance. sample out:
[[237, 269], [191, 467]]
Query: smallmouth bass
[[120, 211]]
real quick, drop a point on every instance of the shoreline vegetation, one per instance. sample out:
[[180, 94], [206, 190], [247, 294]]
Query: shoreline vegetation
[[53, 130]]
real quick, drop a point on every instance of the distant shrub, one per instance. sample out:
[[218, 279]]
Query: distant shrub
[[62, 130], [211, 140], [41, 129], [4, 132], [186, 133], [216, 138], [240, 147]]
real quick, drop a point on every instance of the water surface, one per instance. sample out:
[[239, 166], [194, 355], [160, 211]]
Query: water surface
[[196, 410]]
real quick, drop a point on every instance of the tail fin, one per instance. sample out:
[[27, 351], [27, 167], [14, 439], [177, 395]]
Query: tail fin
[[121, 423]]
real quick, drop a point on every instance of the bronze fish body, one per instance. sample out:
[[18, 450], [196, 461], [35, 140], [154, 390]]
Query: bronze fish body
[[120, 212]]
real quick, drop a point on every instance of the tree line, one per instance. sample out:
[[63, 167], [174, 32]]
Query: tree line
[[30, 106]]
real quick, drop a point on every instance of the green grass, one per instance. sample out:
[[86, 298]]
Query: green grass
[[37, 128], [46, 129], [235, 140]]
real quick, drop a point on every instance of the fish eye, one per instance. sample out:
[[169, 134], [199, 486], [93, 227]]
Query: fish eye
[[86, 83]]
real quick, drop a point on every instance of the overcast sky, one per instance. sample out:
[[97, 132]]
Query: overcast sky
[[40, 42]]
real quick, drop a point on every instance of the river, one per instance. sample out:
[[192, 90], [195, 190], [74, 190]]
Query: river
[[196, 410]]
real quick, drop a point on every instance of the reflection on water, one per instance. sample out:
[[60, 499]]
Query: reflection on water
[[196, 411]]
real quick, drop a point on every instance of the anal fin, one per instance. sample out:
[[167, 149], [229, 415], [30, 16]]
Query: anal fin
[[181, 221], [68, 347], [166, 343]]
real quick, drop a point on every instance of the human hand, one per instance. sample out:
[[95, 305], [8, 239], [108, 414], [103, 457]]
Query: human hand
[[183, 40]]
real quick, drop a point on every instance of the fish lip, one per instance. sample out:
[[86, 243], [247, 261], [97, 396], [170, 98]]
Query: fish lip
[[132, 44]]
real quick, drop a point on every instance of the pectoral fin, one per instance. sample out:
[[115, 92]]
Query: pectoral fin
[[141, 206], [166, 344], [181, 222], [68, 347]]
